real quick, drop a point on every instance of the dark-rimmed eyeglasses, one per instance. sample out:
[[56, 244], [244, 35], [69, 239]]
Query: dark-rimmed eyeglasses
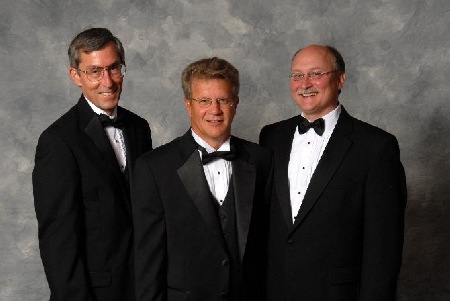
[[95, 74]]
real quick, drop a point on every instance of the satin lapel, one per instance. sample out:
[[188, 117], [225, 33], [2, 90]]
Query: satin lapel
[[336, 150], [244, 179], [130, 139], [91, 125], [282, 155], [193, 178]]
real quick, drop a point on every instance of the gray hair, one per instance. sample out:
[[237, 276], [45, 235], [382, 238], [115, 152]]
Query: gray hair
[[92, 40]]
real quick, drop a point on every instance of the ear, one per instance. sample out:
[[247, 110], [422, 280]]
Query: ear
[[341, 81], [187, 104], [236, 102], [75, 77]]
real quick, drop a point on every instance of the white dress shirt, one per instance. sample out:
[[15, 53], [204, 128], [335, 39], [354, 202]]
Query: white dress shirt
[[306, 151], [218, 173], [115, 137]]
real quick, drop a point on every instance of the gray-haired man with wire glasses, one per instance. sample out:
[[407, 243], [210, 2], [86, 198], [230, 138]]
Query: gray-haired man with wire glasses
[[82, 177]]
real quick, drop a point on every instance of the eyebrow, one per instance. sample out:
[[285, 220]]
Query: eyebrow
[[312, 69], [96, 66]]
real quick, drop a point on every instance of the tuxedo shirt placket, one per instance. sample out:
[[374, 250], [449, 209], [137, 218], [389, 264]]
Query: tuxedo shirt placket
[[306, 151], [117, 141], [304, 157], [218, 173]]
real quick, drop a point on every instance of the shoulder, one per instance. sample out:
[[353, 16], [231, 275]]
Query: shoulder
[[256, 152], [369, 131], [281, 125], [278, 132], [166, 155], [64, 126], [57, 140], [132, 117], [368, 138], [276, 128], [248, 145]]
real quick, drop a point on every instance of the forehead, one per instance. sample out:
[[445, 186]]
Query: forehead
[[205, 87], [313, 58], [103, 57]]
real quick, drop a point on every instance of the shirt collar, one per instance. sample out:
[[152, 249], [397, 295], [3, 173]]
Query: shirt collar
[[331, 118], [99, 111], [224, 147]]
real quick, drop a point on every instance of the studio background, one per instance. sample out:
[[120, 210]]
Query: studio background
[[397, 55]]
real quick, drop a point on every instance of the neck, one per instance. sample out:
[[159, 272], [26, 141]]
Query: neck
[[311, 117], [215, 143]]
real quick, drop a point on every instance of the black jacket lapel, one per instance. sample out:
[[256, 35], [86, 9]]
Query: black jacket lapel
[[244, 181], [281, 179], [130, 139], [334, 153], [193, 178], [91, 125]]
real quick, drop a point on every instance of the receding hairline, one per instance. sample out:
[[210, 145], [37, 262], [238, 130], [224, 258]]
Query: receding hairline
[[335, 55]]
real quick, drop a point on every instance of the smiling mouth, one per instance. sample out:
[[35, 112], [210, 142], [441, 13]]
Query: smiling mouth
[[107, 93], [307, 93], [215, 121]]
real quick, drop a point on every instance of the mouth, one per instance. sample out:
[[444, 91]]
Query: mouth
[[307, 93], [108, 93], [214, 122]]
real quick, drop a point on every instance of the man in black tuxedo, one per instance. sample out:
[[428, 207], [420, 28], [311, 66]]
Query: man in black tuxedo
[[200, 228], [337, 215], [81, 179]]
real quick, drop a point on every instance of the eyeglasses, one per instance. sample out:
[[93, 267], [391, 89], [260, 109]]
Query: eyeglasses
[[206, 102], [95, 74], [310, 75]]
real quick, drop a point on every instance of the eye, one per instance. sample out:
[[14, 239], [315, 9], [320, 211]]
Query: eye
[[204, 101], [114, 68], [223, 101], [297, 76], [94, 71]]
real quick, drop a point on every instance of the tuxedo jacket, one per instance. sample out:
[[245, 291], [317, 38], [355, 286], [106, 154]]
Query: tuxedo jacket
[[179, 244], [347, 239], [83, 207]]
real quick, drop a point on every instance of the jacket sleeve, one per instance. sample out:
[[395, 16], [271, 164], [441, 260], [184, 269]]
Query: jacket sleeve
[[149, 236], [384, 209], [59, 211], [263, 136]]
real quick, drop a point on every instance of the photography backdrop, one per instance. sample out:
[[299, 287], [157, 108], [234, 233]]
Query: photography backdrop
[[397, 54]]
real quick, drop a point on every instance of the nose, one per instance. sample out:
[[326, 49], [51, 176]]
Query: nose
[[305, 82], [214, 108], [107, 80]]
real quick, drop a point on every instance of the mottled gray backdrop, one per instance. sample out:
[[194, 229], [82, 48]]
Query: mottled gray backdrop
[[397, 53]]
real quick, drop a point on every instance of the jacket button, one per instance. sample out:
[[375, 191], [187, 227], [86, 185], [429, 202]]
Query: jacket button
[[290, 241], [224, 262]]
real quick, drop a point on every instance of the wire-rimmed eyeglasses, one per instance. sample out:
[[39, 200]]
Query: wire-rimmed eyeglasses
[[311, 75], [206, 102], [95, 74]]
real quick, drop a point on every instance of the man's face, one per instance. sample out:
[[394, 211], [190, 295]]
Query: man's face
[[105, 93], [316, 97], [213, 123]]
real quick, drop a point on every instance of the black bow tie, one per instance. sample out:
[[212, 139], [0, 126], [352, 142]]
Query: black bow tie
[[304, 125], [210, 157], [117, 122]]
